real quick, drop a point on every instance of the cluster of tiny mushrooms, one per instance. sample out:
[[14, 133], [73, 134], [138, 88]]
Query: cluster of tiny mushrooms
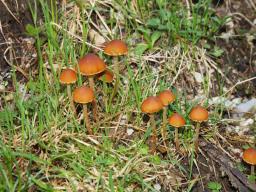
[[154, 104], [93, 66]]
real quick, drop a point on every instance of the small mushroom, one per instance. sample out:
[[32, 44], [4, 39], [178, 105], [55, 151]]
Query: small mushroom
[[198, 114], [106, 76], [177, 121], [150, 106], [84, 95], [68, 77], [167, 97], [116, 48], [91, 65], [249, 156]]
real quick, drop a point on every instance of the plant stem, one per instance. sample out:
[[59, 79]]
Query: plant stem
[[87, 120], [154, 133], [94, 103], [176, 140], [72, 105], [196, 142], [116, 71], [163, 130]]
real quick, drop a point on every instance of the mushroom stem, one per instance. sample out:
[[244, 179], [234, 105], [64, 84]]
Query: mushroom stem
[[252, 169], [154, 133], [94, 104], [72, 105], [163, 130], [176, 140], [196, 142], [116, 71], [87, 120]]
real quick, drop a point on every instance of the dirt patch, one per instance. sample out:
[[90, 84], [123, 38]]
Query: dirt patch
[[237, 39], [15, 15]]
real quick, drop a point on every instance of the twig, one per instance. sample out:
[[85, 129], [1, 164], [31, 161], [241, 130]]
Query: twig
[[6, 6], [238, 83]]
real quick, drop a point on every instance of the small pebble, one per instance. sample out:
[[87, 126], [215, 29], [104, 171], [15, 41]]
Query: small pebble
[[130, 131], [157, 187]]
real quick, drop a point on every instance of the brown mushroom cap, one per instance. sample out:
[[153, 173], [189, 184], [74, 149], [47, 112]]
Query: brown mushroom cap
[[115, 48], [151, 105], [176, 120], [166, 97], [198, 114], [249, 156], [106, 76], [91, 64], [68, 76], [83, 95]]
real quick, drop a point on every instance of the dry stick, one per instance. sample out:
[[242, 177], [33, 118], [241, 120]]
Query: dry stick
[[116, 71], [72, 105], [94, 103], [196, 142], [87, 120], [154, 133]]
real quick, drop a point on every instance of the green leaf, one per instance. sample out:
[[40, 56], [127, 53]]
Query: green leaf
[[154, 22], [143, 150], [41, 184], [252, 178], [31, 30], [155, 160], [155, 36], [214, 186], [217, 52], [140, 49]]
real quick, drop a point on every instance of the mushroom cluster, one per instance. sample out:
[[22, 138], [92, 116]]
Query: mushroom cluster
[[92, 67], [154, 104]]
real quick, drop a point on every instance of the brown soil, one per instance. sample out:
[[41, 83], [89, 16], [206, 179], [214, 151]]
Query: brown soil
[[13, 36], [239, 58]]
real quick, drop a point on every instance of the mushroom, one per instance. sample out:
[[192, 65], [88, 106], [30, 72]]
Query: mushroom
[[84, 95], [150, 106], [68, 77], [90, 65], [115, 48], [177, 121], [198, 114], [167, 97], [249, 156], [106, 76]]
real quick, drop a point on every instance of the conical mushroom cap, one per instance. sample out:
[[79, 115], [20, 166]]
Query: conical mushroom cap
[[198, 114], [83, 95], [106, 76], [116, 48], [91, 64], [68, 76], [151, 105], [166, 97], [176, 120], [249, 156]]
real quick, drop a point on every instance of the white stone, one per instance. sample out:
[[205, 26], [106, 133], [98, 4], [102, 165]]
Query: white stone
[[157, 187], [198, 77], [129, 131]]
